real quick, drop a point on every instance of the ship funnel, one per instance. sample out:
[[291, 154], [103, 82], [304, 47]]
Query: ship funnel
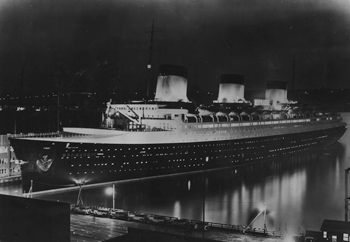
[[276, 91], [171, 84], [231, 88]]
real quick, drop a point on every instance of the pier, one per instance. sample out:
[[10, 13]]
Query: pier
[[103, 224], [91, 228], [10, 170], [30, 219]]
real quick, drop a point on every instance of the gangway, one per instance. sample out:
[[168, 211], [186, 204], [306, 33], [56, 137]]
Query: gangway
[[249, 228]]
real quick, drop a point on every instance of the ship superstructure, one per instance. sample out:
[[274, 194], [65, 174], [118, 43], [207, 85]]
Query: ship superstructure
[[169, 135]]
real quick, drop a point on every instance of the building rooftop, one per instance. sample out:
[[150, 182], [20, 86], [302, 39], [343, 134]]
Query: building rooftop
[[335, 226]]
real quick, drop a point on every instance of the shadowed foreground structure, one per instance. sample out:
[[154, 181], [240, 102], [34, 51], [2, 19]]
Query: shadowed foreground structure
[[24, 219]]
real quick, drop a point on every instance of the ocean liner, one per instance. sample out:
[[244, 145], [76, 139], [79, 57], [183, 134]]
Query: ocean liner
[[170, 135]]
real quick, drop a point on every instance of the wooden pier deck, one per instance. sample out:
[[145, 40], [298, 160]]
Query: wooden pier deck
[[89, 228], [92, 229]]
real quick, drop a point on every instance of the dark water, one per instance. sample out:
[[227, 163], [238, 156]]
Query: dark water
[[299, 191]]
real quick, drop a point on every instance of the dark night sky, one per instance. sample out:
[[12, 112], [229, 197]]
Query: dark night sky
[[52, 40]]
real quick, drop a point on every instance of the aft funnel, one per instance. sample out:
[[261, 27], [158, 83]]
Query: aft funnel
[[171, 84], [231, 88], [276, 91]]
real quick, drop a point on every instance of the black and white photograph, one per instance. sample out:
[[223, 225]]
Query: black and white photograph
[[174, 120]]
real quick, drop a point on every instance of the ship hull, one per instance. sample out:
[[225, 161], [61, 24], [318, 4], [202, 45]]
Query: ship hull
[[53, 164]]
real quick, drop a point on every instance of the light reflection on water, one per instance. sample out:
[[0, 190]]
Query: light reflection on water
[[299, 191]]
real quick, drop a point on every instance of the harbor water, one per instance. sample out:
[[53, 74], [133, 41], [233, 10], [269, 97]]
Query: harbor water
[[298, 191]]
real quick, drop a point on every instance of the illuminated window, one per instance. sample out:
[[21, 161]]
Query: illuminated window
[[346, 237]]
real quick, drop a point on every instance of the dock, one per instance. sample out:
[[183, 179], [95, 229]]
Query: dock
[[10, 170], [8, 179], [88, 228], [92, 229], [104, 224]]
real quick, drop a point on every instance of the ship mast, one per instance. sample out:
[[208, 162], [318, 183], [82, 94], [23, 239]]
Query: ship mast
[[149, 64], [293, 73], [20, 103]]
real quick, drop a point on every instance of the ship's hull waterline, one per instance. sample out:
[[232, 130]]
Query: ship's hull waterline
[[60, 162]]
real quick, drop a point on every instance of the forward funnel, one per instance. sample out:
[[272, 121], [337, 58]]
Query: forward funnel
[[171, 84]]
